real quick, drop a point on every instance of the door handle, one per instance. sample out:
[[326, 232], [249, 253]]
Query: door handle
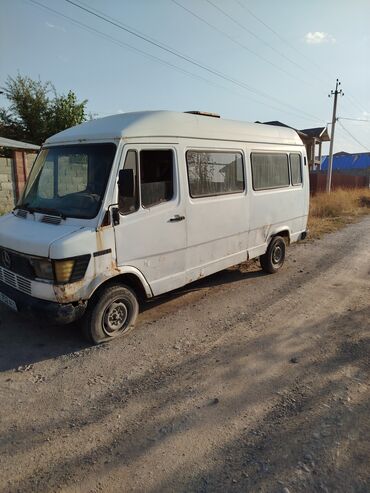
[[176, 218]]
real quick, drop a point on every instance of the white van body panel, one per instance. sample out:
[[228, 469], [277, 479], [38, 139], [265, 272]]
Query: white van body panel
[[276, 210], [159, 124], [217, 226], [30, 236], [217, 231]]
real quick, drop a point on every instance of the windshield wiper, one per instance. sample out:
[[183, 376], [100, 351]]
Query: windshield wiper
[[47, 210], [24, 207]]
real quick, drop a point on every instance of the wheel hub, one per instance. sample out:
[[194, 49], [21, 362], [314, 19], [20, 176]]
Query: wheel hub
[[115, 317], [277, 254]]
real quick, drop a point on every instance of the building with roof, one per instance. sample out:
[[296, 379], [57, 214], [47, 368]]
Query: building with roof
[[16, 144], [357, 164], [349, 171], [312, 139], [16, 159]]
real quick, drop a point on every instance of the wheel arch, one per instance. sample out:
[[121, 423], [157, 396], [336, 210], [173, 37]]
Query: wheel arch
[[284, 232], [131, 277]]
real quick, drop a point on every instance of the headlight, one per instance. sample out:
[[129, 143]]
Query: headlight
[[63, 270], [71, 269], [43, 268]]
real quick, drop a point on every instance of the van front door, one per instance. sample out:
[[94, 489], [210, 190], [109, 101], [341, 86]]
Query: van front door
[[151, 234]]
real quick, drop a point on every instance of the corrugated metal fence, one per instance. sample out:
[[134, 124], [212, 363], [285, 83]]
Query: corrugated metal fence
[[339, 180]]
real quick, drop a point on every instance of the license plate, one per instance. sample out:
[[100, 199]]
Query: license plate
[[8, 302]]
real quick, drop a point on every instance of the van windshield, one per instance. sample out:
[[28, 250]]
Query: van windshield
[[69, 181]]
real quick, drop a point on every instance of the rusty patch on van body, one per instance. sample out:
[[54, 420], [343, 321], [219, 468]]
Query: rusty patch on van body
[[114, 266], [67, 293], [99, 240]]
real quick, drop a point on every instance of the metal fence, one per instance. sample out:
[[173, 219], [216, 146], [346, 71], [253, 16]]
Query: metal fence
[[339, 180]]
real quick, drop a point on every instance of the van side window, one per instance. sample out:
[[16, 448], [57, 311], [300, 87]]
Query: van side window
[[295, 169], [156, 176], [214, 173], [128, 205], [269, 170]]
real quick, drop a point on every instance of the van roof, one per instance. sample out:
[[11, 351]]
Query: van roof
[[176, 125]]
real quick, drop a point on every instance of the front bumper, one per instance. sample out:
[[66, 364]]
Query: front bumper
[[52, 311]]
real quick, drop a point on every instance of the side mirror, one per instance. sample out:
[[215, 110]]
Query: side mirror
[[126, 183]]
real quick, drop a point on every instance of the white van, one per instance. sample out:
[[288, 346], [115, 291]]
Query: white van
[[138, 204]]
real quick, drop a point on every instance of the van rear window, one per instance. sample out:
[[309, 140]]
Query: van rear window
[[214, 173], [269, 170]]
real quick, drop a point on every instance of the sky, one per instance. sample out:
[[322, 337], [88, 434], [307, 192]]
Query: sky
[[244, 59]]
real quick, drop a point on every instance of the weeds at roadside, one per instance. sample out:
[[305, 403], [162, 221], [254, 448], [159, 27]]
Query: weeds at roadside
[[329, 212]]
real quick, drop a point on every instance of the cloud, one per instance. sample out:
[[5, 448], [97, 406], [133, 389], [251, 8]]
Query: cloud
[[318, 37], [53, 26]]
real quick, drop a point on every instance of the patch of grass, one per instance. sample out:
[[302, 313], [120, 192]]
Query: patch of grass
[[329, 212]]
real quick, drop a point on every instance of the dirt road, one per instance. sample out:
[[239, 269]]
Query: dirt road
[[242, 382]]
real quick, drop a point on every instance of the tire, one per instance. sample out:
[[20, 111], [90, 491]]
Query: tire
[[274, 257], [111, 313]]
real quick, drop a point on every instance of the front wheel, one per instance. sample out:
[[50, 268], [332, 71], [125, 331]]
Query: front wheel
[[274, 257], [111, 313]]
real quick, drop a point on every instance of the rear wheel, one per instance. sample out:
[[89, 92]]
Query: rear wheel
[[274, 257], [111, 313]]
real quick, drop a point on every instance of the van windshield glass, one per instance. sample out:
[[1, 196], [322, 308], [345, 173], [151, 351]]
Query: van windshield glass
[[69, 180]]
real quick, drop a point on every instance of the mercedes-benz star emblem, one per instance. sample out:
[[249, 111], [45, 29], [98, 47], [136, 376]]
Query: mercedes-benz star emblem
[[6, 260]]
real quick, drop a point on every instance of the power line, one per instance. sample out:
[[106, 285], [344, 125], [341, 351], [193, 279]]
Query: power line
[[261, 40], [125, 45], [353, 119], [352, 100], [353, 137], [278, 35], [356, 104], [238, 43], [155, 58], [187, 58]]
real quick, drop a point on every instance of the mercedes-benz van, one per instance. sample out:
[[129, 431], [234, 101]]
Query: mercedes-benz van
[[138, 204]]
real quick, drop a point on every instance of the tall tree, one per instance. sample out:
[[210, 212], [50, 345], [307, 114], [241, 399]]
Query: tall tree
[[36, 111]]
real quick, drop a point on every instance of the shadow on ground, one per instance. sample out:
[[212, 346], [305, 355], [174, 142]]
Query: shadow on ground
[[24, 341], [295, 444]]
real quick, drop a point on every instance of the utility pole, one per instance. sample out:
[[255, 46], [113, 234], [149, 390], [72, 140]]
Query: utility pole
[[333, 122]]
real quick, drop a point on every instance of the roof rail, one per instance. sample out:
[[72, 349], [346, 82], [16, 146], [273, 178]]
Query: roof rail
[[203, 113]]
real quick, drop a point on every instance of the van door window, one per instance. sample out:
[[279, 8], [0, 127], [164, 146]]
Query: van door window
[[214, 173], [295, 169], [128, 205], [156, 176]]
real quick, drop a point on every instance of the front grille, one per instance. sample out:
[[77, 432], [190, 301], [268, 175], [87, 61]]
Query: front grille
[[17, 263], [15, 281]]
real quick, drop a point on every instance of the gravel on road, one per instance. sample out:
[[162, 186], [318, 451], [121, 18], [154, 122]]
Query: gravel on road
[[240, 382]]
